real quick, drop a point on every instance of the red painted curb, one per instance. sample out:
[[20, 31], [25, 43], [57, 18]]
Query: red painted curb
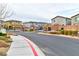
[[34, 51]]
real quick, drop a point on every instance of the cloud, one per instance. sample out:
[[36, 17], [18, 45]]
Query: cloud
[[43, 11], [43, 1]]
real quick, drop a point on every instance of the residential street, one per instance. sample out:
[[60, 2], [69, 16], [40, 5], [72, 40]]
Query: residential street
[[53, 45]]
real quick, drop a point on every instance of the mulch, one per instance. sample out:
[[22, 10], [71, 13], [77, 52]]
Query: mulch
[[3, 45]]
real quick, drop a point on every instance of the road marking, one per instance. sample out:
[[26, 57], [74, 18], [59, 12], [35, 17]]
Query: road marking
[[31, 46], [35, 49]]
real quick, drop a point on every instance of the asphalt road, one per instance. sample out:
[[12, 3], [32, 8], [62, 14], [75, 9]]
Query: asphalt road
[[53, 45]]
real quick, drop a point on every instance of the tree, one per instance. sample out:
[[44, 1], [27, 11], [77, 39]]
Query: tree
[[5, 11]]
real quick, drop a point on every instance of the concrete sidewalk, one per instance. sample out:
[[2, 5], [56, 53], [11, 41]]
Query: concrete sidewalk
[[22, 46]]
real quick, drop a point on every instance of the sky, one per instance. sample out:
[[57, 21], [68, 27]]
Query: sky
[[42, 10]]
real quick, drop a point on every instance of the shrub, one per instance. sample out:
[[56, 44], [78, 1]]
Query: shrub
[[66, 32], [74, 33], [1, 34], [31, 30], [62, 31], [70, 32]]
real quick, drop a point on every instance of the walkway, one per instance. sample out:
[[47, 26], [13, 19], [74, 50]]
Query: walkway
[[21, 46]]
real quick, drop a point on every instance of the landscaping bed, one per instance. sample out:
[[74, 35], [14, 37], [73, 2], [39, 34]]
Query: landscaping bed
[[5, 43], [65, 32], [54, 32], [71, 33]]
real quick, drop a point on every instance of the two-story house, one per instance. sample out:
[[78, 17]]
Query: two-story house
[[1, 23], [59, 21], [13, 24], [75, 22], [33, 25], [75, 19]]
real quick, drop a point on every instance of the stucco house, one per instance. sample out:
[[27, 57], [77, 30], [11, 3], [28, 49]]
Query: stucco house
[[13, 24], [75, 22], [1, 23], [59, 22], [75, 19], [33, 25]]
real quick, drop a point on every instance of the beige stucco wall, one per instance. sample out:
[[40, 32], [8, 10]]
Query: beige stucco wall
[[12, 24], [66, 27], [72, 27], [75, 20], [59, 20]]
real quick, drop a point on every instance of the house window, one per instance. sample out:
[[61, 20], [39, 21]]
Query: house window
[[54, 20], [68, 22], [77, 20]]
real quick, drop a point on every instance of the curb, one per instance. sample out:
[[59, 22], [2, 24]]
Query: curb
[[74, 37], [32, 48], [35, 49]]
